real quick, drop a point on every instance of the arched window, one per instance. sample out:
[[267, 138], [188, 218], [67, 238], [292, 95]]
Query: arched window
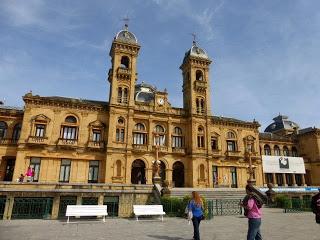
[[276, 150], [285, 151], [200, 137], [118, 167], [201, 170], [70, 119], [139, 134], [200, 105], [159, 136], [122, 95], [267, 150], [199, 75], [16, 132], [214, 141], [3, 130], [294, 152], [69, 129], [231, 142], [125, 62], [120, 130]]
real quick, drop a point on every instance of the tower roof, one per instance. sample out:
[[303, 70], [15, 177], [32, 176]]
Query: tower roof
[[125, 36], [281, 122], [196, 51]]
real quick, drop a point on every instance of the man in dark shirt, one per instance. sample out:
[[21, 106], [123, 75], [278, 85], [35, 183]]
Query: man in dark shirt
[[315, 206]]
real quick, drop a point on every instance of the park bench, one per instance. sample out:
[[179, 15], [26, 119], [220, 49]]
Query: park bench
[[148, 210], [86, 210]]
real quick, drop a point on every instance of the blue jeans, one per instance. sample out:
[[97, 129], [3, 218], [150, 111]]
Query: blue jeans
[[196, 223], [254, 229]]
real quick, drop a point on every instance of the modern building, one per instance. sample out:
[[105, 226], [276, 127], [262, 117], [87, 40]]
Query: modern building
[[103, 152]]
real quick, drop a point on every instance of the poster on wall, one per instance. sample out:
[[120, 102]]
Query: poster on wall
[[283, 164]]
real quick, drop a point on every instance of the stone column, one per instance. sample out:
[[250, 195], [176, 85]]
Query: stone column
[[284, 180], [8, 208], [149, 175], [169, 176], [274, 180], [294, 180], [55, 207]]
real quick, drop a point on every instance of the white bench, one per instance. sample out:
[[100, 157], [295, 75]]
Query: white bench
[[148, 210], [86, 210]]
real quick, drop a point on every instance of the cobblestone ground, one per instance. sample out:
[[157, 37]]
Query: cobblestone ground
[[276, 225]]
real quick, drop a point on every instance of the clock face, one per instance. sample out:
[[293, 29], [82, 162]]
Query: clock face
[[160, 101]]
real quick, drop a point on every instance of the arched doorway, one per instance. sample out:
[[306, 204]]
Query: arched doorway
[[162, 171], [178, 174], [138, 173]]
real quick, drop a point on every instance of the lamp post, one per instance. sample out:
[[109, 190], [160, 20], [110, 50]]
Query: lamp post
[[156, 162], [251, 180]]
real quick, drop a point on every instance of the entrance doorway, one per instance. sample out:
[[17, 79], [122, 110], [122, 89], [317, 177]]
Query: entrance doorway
[[138, 172], [178, 174], [9, 170], [234, 181]]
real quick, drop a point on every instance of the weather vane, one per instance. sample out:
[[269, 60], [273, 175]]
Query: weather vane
[[126, 21], [194, 38]]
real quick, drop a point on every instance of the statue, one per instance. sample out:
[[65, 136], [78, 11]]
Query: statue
[[155, 171], [270, 193]]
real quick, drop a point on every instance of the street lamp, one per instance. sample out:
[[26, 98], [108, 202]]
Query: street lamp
[[251, 180], [156, 162]]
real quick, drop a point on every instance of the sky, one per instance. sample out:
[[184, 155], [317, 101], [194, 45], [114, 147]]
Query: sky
[[265, 53]]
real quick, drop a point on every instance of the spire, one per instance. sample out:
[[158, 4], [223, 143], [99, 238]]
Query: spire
[[126, 22]]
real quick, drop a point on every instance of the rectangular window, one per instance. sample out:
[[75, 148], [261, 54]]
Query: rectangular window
[[69, 133], [231, 146], [177, 142], [120, 135], [269, 177], [139, 138], [93, 171], [35, 165], [65, 170], [214, 143], [279, 179], [40, 130], [96, 135], [200, 141]]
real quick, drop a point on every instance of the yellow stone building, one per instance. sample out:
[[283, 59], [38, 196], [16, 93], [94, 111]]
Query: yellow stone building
[[90, 149]]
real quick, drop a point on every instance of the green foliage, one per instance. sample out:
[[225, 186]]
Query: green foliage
[[283, 201]]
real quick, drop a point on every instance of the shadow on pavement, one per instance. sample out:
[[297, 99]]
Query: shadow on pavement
[[167, 237]]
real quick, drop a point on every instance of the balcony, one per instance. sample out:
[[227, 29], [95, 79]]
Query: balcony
[[68, 142], [140, 147], [8, 141], [233, 154], [216, 152], [37, 140], [123, 73], [160, 148], [96, 144], [178, 150], [200, 85]]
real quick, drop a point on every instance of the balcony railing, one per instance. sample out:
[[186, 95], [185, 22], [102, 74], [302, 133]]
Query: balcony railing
[[216, 152], [140, 147], [96, 144], [233, 154], [178, 150], [67, 142], [8, 141], [160, 148], [123, 73], [200, 85], [37, 140]]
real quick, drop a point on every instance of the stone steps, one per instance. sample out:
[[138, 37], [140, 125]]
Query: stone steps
[[213, 193]]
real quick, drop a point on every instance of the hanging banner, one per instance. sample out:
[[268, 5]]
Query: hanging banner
[[283, 164]]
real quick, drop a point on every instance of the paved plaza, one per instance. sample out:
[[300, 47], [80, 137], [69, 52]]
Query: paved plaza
[[276, 225]]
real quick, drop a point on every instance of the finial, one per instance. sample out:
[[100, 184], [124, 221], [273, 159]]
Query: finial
[[194, 42], [126, 22], [165, 90]]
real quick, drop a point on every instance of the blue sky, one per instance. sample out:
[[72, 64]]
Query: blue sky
[[265, 53]]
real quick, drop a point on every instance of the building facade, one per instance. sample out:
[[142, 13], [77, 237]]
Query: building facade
[[95, 146]]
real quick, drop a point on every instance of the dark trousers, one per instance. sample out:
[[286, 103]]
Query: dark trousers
[[196, 223], [254, 229]]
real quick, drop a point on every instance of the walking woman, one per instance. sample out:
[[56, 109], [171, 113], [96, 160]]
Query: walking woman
[[196, 207], [252, 204]]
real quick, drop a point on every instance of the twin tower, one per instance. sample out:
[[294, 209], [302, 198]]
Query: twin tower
[[123, 75]]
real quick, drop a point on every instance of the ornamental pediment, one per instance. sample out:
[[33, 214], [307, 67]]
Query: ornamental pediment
[[41, 118], [97, 124]]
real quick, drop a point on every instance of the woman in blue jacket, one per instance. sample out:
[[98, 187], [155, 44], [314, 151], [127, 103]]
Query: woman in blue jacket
[[196, 207]]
